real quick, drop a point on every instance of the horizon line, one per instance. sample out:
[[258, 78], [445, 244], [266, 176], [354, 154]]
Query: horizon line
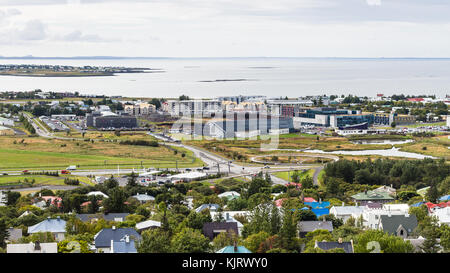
[[215, 57]]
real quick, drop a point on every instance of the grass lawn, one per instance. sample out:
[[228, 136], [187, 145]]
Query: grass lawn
[[320, 178], [285, 175], [40, 180], [434, 146], [243, 150], [41, 153], [443, 123]]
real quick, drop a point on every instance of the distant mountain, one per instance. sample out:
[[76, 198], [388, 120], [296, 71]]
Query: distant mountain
[[29, 57]]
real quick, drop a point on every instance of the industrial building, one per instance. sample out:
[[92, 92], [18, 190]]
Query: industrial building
[[341, 118], [110, 120]]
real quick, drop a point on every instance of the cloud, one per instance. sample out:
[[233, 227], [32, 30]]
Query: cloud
[[34, 30], [374, 2], [78, 36]]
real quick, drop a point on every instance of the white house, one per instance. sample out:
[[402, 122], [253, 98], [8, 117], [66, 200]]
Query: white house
[[443, 214], [346, 212], [32, 248]]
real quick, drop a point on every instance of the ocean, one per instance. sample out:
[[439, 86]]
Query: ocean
[[272, 77]]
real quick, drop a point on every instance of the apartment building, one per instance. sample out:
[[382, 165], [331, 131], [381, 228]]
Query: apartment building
[[140, 109]]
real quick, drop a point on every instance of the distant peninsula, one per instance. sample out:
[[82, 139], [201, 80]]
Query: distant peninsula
[[24, 70]]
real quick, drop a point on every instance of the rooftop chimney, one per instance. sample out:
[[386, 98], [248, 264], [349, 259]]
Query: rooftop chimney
[[113, 227], [235, 246], [37, 245]]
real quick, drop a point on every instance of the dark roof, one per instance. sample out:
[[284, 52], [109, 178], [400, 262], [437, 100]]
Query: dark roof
[[107, 217], [391, 223], [209, 229], [103, 237], [347, 246]]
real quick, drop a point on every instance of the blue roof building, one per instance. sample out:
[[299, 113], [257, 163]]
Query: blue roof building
[[320, 212], [445, 198], [318, 205], [104, 240], [124, 247], [418, 204], [55, 226]]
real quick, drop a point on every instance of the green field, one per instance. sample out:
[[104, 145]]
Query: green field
[[21, 159], [285, 175], [40, 180]]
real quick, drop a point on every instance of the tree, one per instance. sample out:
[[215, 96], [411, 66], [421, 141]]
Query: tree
[[4, 234], [377, 241], [189, 240], [183, 97], [154, 241], [288, 232], [254, 241], [224, 239], [275, 220], [445, 238], [73, 246], [307, 182], [12, 197], [115, 202], [259, 220], [197, 220], [432, 194], [131, 182], [429, 229]]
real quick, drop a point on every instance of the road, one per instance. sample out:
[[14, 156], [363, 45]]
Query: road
[[215, 162]]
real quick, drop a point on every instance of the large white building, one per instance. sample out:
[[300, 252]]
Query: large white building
[[192, 107]]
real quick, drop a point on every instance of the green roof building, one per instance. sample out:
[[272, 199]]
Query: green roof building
[[372, 197]]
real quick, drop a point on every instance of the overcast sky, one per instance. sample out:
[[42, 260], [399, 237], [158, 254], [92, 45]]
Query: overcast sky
[[224, 28]]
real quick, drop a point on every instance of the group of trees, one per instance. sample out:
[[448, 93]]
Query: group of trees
[[418, 173], [27, 125]]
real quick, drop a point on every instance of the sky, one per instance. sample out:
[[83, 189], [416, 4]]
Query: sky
[[225, 28]]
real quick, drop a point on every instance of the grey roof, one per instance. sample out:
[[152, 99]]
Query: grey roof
[[107, 217], [391, 223], [147, 224], [347, 246], [49, 225], [14, 234], [308, 226], [346, 210], [143, 197], [103, 237], [207, 206], [30, 248], [124, 247]]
